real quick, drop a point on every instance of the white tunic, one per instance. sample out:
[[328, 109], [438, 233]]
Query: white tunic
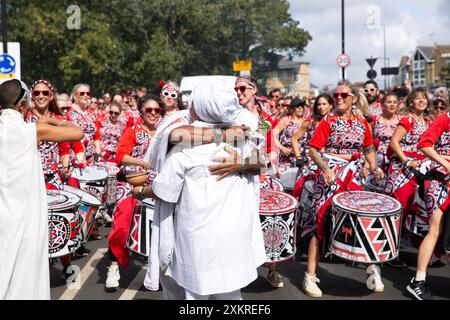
[[24, 267], [218, 237]]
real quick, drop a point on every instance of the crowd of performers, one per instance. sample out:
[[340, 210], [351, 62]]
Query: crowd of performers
[[332, 143]]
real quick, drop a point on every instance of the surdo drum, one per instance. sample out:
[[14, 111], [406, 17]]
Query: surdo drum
[[87, 210], [139, 235], [277, 212], [93, 180], [365, 227], [63, 223]]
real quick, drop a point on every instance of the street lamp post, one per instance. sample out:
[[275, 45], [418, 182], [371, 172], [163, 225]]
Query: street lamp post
[[343, 35], [384, 53]]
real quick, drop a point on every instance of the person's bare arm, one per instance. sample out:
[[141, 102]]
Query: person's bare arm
[[131, 161], [297, 135], [398, 135], [329, 175], [141, 193], [58, 133], [232, 165], [431, 153], [194, 136]]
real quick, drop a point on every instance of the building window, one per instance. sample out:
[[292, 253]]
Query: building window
[[419, 69]]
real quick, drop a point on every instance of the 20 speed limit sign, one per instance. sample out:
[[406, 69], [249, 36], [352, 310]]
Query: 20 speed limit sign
[[343, 60]]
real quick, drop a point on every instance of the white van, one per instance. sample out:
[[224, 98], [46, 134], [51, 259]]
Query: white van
[[188, 83]]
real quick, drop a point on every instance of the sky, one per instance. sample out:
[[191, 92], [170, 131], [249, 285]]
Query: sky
[[408, 23]]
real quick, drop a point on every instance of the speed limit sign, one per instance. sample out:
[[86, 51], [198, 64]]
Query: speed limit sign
[[343, 60]]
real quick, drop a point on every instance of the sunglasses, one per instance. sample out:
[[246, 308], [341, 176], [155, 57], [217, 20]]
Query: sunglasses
[[114, 113], [371, 90], [87, 93], [242, 89], [276, 97], [441, 108], [149, 110], [65, 108], [101, 103], [45, 93], [168, 94], [343, 95]]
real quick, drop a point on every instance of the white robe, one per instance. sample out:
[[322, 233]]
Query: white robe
[[218, 237], [24, 267]]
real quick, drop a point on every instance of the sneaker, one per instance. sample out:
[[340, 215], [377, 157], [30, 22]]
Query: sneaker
[[374, 279], [112, 280], [419, 290], [436, 262], [274, 278], [310, 286], [397, 263], [81, 252]]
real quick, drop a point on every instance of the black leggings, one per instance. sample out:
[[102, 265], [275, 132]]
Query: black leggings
[[112, 257]]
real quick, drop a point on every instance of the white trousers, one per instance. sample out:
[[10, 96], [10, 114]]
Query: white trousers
[[173, 291]]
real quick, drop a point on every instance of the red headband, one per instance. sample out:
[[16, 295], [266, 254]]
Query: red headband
[[47, 83], [247, 81]]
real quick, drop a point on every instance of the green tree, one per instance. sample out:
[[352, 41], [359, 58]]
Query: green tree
[[127, 43]]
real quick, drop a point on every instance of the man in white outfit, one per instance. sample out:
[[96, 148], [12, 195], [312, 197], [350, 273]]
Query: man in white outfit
[[24, 268], [218, 242]]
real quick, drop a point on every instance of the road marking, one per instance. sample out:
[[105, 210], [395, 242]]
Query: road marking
[[135, 285], [70, 293]]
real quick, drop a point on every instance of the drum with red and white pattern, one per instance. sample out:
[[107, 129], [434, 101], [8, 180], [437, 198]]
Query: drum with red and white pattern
[[374, 185], [365, 227], [63, 223], [266, 182], [87, 210], [139, 235], [277, 211], [93, 180], [123, 191]]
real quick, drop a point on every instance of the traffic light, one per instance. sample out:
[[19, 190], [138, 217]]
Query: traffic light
[[371, 74]]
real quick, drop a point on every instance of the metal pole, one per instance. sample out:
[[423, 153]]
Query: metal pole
[[343, 35], [4, 28], [384, 45]]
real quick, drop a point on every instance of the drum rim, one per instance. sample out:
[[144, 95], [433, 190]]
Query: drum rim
[[98, 167], [282, 211], [66, 206], [367, 214], [334, 203], [81, 199]]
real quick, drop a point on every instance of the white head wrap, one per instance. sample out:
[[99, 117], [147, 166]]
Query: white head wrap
[[215, 102]]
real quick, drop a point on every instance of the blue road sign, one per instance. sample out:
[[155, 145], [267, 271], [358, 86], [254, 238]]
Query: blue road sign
[[7, 64]]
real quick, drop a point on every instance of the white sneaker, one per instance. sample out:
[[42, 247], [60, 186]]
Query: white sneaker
[[374, 279], [112, 280], [310, 286]]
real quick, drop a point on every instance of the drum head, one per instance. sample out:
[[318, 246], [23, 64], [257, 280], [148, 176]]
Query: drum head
[[369, 203], [276, 202], [90, 174], [60, 200], [87, 198]]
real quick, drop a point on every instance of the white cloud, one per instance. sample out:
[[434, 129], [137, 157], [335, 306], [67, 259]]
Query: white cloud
[[408, 23]]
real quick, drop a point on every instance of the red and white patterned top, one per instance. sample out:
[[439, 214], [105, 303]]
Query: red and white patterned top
[[127, 117], [438, 134], [383, 133], [415, 131], [87, 122], [340, 136], [110, 135], [134, 142], [51, 152]]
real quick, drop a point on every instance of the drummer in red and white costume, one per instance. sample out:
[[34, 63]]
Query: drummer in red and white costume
[[401, 181], [110, 131], [79, 116], [54, 155], [383, 127], [435, 144], [343, 136], [247, 89], [130, 153], [126, 116]]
